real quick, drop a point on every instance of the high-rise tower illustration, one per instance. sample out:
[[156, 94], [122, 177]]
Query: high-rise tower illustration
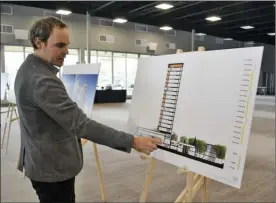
[[169, 101], [82, 97], [166, 121]]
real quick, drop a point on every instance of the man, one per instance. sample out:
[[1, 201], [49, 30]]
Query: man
[[51, 124]]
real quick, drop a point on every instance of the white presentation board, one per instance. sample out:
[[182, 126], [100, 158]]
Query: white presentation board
[[80, 81], [7, 86], [200, 104], [4, 84]]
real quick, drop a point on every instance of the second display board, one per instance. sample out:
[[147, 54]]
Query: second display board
[[80, 82]]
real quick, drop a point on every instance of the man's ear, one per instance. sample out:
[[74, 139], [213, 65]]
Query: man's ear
[[38, 43]]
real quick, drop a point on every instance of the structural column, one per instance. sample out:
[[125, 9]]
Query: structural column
[[193, 40], [2, 59], [88, 36]]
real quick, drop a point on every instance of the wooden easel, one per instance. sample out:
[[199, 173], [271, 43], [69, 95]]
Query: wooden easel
[[194, 183], [11, 110], [96, 154]]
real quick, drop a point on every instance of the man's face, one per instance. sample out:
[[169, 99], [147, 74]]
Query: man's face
[[56, 48]]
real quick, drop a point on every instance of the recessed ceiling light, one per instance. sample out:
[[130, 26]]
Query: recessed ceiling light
[[200, 34], [120, 20], [228, 39], [63, 12], [213, 18], [166, 28], [164, 6], [247, 27], [271, 34]]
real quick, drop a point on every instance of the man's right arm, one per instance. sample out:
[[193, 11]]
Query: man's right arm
[[50, 95]]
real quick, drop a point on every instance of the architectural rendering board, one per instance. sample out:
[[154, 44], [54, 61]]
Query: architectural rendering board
[[9, 78], [80, 82], [200, 104], [4, 84]]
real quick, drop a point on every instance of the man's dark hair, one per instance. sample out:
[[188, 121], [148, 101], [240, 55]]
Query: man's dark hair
[[43, 28]]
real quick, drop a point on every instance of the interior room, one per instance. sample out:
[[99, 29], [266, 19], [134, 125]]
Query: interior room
[[120, 35]]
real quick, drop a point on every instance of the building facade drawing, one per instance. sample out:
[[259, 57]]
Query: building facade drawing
[[164, 130]]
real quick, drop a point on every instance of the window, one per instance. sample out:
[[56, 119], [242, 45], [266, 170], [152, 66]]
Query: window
[[105, 75], [93, 56], [170, 33], [121, 66], [7, 10], [14, 57], [28, 50], [6, 29], [106, 23], [119, 70], [52, 14], [72, 58], [132, 64], [144, 56], [141, 28]]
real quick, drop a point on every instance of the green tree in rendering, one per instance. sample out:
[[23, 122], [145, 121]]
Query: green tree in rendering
[[220, 151], [191, 141], [184, 140], [174, 137], [194, 142], [200, 145]]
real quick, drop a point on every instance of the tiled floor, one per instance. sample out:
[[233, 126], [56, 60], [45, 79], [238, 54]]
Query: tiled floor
[[124, 173]]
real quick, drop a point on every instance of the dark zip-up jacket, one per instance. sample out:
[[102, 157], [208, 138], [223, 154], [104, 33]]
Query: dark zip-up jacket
[[52, 125]]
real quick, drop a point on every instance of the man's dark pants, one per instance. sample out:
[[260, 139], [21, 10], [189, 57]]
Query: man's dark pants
[[55, 192]]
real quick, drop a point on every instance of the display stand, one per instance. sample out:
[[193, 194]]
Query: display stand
[[10, 119], [194, 183], [96, 154], [80, 81]]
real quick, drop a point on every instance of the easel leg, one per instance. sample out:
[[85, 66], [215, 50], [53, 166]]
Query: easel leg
[[203, 191], [99, 172], [15, 111], [181, 197], [190, 185], [195, 183], [9, 131], [145, 191], [4, 134]]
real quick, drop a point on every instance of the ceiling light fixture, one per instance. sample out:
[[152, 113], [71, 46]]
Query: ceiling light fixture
[[247, 27], [63, 12], [166, 28], [228, 39], [271, 34], [213, 18], [164, 6], [200, 34], [120, 20]]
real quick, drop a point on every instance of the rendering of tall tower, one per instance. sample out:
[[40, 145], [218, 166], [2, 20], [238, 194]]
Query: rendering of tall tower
[[82, 97], [169, 101]]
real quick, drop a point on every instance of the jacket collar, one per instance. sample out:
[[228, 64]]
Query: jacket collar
[[54, 69]]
